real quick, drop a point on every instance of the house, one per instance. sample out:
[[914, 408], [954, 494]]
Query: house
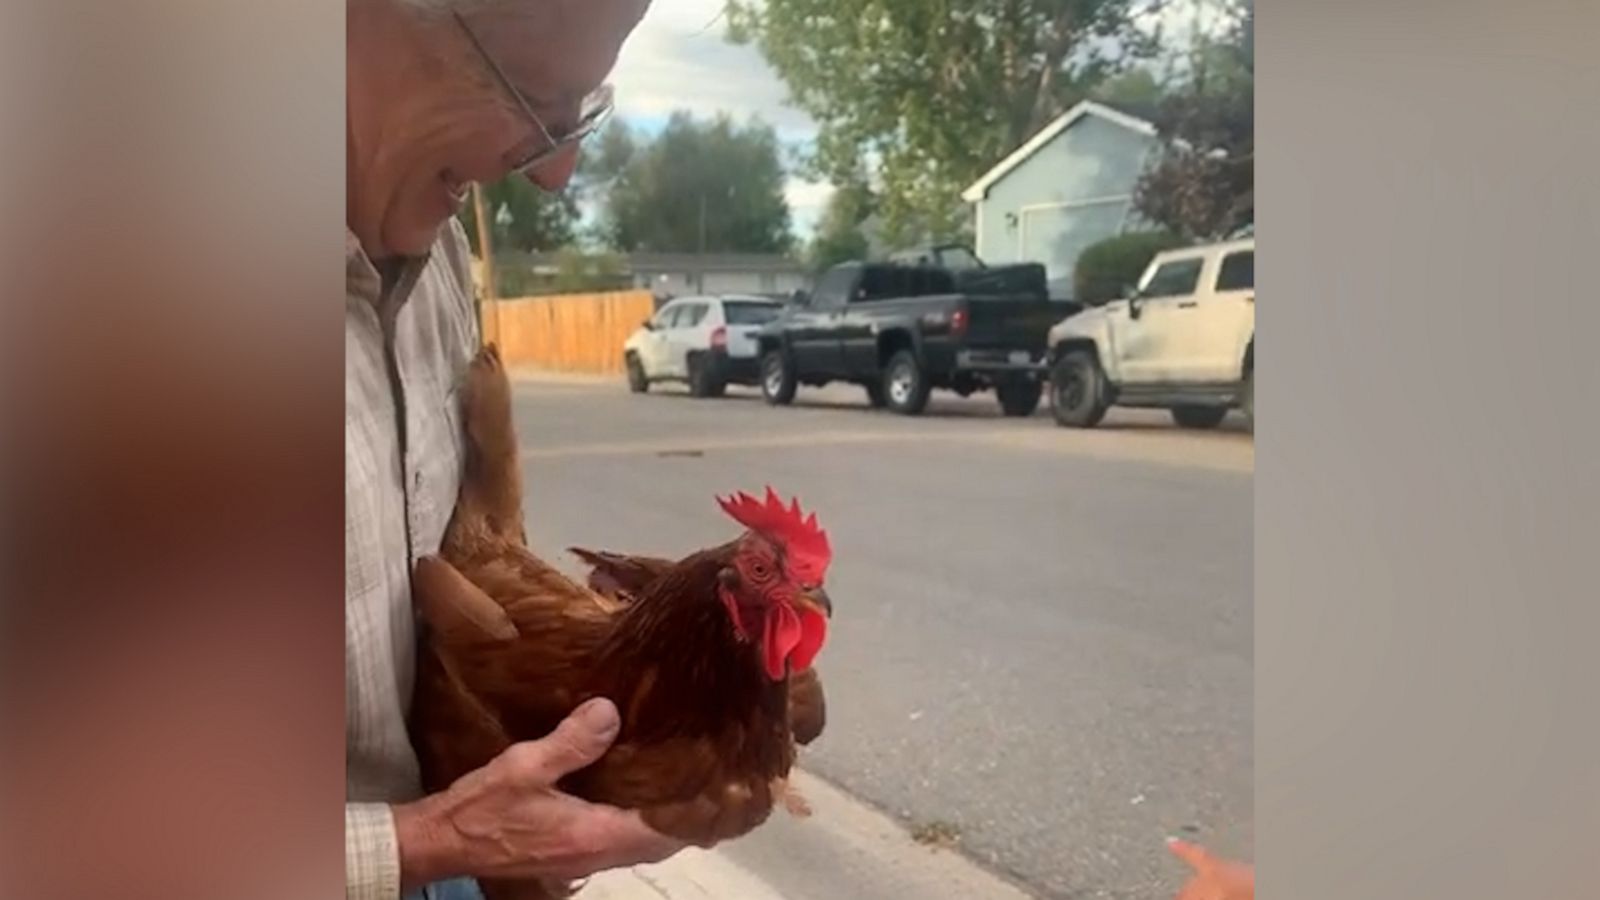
[[1069, 186], [677, 274]]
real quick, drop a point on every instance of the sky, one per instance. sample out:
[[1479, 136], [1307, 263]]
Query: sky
[[677, 59]]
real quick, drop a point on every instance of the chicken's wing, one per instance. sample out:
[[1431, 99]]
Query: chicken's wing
[[618, 576]]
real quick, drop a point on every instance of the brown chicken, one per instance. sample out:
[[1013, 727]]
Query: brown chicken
[[698, 660]]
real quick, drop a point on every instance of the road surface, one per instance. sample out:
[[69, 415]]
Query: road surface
[[1042, 644]]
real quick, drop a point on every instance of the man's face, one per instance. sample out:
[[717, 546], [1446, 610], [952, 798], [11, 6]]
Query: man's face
[[467, 127]]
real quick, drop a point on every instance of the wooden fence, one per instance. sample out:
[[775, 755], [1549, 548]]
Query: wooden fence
[[566, 332]]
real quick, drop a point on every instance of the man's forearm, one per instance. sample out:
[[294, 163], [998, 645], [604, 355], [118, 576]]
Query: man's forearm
[[371, 853]]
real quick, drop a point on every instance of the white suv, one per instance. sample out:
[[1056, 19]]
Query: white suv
[[1183, 340], [708, 342]]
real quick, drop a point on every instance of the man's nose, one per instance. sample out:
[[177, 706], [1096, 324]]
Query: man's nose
[[554, 173]]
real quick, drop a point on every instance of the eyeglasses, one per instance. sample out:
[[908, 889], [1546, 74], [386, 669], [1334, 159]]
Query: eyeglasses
[[595, 110]]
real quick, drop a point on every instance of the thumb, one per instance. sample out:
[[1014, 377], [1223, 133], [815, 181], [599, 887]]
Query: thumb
[[580, 739]]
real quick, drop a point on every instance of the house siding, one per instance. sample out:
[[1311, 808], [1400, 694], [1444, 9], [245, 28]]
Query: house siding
[[1021, 219]]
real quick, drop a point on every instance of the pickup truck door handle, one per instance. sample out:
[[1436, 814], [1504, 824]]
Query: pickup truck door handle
[[1188, 304]]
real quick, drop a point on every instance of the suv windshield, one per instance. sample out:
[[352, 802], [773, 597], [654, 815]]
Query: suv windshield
[[748, 312]]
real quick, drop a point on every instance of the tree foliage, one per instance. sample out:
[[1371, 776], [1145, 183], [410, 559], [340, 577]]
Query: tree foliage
[[839, 237], [1202, 185], [931, 93], [524, 217], [1105, 268], [697, 185]]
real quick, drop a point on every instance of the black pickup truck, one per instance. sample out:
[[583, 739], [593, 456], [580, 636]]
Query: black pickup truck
[[901, 329]]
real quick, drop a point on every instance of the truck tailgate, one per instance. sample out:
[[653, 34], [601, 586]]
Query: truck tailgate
[[1013, 323]]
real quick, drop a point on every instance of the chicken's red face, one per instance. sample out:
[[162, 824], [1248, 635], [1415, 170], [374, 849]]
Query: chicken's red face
[[773, 589]]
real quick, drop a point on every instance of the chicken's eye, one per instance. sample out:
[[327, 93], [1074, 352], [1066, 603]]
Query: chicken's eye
[[760, 571]]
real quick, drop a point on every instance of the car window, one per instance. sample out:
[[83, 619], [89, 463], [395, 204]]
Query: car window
[[958, 259], [693, 314], [1174, 279], [1238, 271], [831, 287], [743, 312], [665, 317], [879, 282]]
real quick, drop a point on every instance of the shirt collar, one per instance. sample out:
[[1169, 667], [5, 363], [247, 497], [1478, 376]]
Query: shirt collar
[[362, 279]]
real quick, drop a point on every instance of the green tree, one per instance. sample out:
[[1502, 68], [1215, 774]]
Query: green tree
[[934, 92], [1202, 184], [839, 237], [1136, 91], [1106, 268], [524, 217], [578, 272], [699, 185]]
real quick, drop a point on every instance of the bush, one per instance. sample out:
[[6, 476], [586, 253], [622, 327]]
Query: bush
[[1106, 267]]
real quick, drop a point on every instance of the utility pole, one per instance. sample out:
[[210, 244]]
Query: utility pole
[[486, 252]]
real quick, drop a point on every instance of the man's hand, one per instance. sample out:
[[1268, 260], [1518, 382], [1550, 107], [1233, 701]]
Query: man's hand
[[507, 820], [1214, 879]]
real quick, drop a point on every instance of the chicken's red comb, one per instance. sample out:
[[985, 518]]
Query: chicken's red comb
[[805, 544]]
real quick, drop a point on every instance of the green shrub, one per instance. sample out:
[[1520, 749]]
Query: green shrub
[[1106, 267]]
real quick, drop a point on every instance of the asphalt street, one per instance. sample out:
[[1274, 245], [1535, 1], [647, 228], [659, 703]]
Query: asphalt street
[[1042, 644]]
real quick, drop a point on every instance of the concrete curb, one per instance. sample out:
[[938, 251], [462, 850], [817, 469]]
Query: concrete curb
[[845, 850]]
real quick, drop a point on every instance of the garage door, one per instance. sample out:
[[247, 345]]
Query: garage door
[[1056, 233]]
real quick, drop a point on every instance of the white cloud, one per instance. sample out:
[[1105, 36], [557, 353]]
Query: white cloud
[[677, 59]]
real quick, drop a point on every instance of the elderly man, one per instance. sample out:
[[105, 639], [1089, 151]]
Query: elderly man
[[440, 94]]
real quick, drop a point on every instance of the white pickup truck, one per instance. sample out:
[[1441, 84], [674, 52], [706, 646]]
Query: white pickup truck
[[1183, 340]]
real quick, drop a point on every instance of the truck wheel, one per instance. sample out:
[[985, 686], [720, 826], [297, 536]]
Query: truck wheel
[[1078, 390], [875, 396], [777, 378], [905, 387], [1199, 416], [1019, 397], [636, 380], [1247, 400], [702, 379]]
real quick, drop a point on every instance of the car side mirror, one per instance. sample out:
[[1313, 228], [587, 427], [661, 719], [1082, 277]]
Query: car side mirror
[[1133, 297]]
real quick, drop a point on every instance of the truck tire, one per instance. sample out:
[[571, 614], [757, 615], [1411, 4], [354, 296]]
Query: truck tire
[[905, 385], [637, 382], [1019, 397], [875, 396], [778, 383], [702, 378], [1199, 416], [1247, 400], [1078, 390]]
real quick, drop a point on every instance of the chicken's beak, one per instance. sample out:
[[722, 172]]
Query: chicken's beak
[[817, 600]]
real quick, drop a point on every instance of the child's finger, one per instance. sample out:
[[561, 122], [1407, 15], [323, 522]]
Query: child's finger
[[1193, 854]]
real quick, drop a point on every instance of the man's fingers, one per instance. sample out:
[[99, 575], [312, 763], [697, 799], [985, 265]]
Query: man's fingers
[[1193, 854], [579, 740]]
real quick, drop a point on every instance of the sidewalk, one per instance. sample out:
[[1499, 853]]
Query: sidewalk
[[844, 851]]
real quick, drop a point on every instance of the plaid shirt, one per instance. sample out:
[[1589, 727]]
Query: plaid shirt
[[395, 511]]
